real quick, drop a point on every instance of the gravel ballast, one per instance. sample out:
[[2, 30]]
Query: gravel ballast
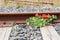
[[28, 9], [23, 32]]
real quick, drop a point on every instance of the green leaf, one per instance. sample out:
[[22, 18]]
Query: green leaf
[[40, 21]]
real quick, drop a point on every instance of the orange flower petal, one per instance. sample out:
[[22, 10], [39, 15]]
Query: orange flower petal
[[36, 14]]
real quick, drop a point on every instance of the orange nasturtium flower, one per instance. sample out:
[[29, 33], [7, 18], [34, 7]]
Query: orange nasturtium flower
[[37, 14], [45, 16], [48, 16]]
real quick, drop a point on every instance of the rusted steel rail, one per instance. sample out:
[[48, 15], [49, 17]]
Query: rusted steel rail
[[9, 18]]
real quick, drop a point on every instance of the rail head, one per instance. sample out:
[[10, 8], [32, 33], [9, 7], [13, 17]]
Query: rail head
[[25, 13]]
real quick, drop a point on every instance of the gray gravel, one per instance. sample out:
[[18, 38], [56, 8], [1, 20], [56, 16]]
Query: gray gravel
[[28, 9], [57, 27], [23, 32]]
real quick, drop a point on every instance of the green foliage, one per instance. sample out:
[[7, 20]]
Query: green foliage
[[40, 21], [51, 18]]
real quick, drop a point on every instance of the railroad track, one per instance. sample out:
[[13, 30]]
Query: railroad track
[[48, 33]]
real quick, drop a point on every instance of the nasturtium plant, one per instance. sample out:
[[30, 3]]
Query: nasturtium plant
[[40, 21]]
